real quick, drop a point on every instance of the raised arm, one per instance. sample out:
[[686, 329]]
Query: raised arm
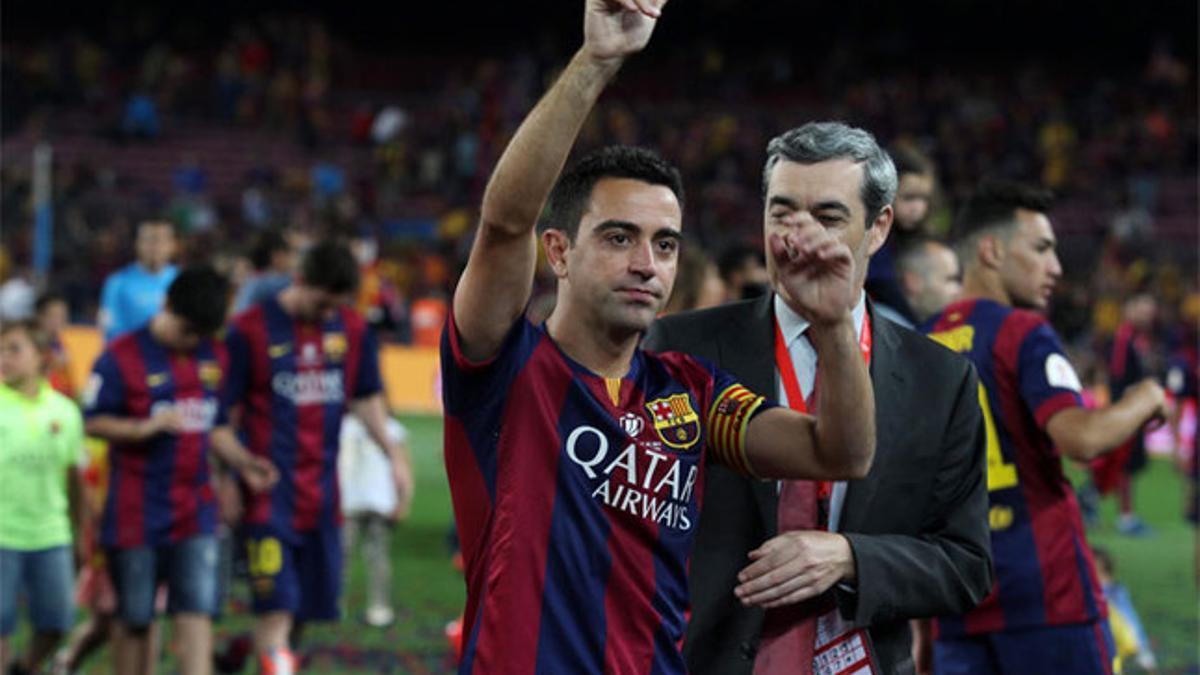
[[1083, 434], [495, 286], [839, 442]]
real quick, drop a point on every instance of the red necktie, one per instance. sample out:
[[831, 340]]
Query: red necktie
[[789, 633]]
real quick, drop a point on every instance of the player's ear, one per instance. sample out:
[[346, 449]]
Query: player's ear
[[555, 244], [990, 251]]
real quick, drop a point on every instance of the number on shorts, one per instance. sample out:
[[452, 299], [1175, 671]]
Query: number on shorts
[[265, 557]]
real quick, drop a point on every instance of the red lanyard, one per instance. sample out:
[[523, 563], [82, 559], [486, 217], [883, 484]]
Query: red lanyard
[[787, 370], [791, 385]]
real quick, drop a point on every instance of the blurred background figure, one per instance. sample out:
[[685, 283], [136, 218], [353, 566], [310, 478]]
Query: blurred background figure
[[273, 256], [41, 499], [134, 294], [743, 269], [912, 206], [1130, 637], [52, 316], [371, 509], [929, 278], [698, 282]]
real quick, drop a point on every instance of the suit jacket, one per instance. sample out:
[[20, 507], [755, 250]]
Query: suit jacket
[[917, 523]]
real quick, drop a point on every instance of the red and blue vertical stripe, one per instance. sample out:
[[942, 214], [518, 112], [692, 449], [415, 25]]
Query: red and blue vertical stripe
[[292, 380], [159, 489], [1044, 570]]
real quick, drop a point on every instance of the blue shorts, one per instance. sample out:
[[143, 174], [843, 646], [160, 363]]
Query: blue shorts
[[295, 572], [188, 567], [1078, 649], [46, 579]]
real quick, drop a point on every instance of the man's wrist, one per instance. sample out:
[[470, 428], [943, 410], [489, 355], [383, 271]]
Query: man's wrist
[[849, 566], [600, 69], [827, 333]]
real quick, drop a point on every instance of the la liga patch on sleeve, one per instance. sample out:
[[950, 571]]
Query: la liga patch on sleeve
[[1060, 374]]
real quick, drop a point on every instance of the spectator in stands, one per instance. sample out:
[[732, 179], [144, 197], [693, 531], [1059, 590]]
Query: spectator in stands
[[928, 274], [914, 195], [40, 453], [53, 316], [274, 257], [698, 282], [135, 293], [744, 271], [371, 508], [156, 397]]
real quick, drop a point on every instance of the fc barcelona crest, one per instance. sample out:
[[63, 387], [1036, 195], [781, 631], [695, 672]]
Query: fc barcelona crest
[[676, 423], [334, 346], [210, 374]]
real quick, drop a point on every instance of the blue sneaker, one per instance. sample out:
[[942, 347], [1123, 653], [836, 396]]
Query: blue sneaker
[[1132, 526]]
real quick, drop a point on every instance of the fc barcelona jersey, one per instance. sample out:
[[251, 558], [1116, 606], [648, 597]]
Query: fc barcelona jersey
[[577, 499], [1044, 569], [159, 490], [293, 380]]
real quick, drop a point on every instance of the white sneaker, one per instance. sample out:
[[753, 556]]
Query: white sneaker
[[380, 616]]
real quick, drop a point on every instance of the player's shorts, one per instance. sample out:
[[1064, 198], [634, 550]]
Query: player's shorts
[[1079, 649], [295, 572], [45, 578], [188, 567]]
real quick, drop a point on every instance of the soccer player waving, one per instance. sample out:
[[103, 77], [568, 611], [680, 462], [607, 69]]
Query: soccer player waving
[[575, 458]]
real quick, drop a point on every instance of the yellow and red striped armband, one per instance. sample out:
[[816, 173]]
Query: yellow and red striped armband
[[728, 419]]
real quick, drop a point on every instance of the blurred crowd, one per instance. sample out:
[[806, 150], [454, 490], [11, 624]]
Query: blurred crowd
[[393, 150]]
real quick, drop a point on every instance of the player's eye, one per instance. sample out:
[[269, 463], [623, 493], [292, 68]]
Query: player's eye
[[668, 245], [619, 239]]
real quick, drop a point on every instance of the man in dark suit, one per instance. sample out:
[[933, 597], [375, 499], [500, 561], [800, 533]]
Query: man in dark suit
[[909, 540]]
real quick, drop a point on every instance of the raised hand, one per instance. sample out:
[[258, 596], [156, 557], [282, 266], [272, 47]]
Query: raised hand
[[817, 271], [614, 29]]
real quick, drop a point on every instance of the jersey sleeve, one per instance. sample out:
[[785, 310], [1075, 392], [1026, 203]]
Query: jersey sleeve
[[368, 381], [469, 386], [1046, 377], [727, 419], [105, 390]]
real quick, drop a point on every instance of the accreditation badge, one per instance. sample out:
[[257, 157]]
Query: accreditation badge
[[841, 648]]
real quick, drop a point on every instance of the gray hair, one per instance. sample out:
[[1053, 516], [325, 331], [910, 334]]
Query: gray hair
[[822, 141]]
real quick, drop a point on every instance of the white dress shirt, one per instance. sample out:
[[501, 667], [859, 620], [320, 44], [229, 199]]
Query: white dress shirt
[[804, 360]]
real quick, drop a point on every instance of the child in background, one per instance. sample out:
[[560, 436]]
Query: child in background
[[371, 508], [41, 505], [1126, 625]]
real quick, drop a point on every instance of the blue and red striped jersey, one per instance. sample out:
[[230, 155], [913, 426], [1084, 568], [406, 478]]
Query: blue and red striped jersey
[[159, 490], [292, 381], [576, 499], [1044, 570]]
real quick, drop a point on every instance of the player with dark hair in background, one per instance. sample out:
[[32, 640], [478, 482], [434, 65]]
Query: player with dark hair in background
[[1046, 612]]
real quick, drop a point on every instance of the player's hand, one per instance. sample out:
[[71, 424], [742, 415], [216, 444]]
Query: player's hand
[[794, 567], [165, 421], [405, 486], [259, 473], [614, 29], [817, 271], [1156, 396], [229, 498]]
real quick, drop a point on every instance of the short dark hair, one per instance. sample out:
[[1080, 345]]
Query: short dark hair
[[48, 298], [734, 258], [39, 338], [994, 205], [264, 247], [200, 296], [330, 266], [909, 160], [571, 194]]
